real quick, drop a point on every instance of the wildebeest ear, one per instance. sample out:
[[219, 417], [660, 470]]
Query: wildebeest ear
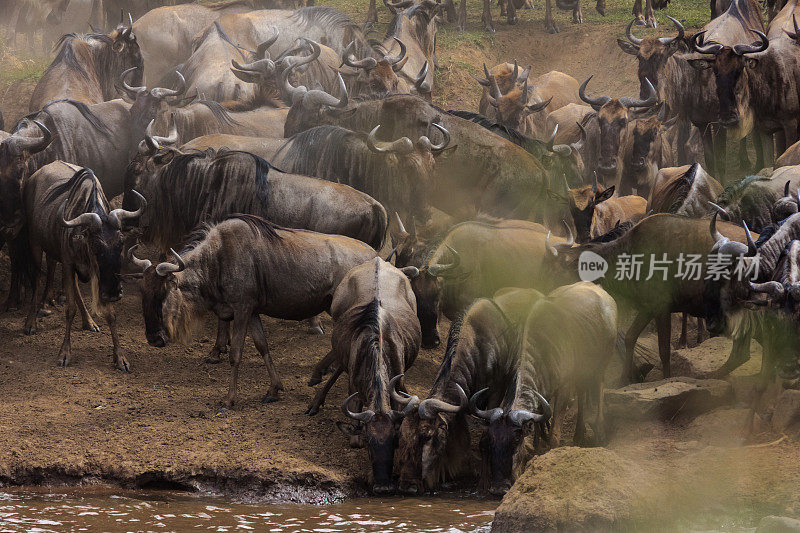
[[700, 64], [410, 272], [164, 157], [628, 48], [605, 195]]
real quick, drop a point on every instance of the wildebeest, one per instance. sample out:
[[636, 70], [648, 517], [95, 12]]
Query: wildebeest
[[595, 210], [205, 117], [415, 25], [69, 220], [241, 268], [87, 68], [398, 174], [566, 343], [613, 117], [567, 119], [263, 147], [434, 436], [753, 198], [379, 76], [685, 191], [375, 337]]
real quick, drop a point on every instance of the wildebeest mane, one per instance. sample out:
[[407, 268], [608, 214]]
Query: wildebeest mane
[[219, 112], [66, 51], [96, 122], [260, 226], [734, 191], [333, 20], [614, 233], [93, 200], [502, 130], [217, 6]]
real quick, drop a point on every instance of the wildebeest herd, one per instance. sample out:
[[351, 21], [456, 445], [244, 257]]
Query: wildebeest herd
[[285, 164]]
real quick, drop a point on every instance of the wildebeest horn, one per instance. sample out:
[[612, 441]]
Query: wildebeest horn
[[650, 101], [121, 215], [720, 210], [483, 81], [350, 60], [570, 240], [429, 408], [670, 40], [400, 223], [397, 62], [403, 145], [630, 36], [518, 417], [141, 264], [760, 46], [533, 108], [796, 29], [150, 141], [786, 187], [262, 66], [166, 268], [584, 135], [552, 140], [751, 246], [773, 288], [712, 228], [402, 4], [363, 416], [515, 72], [261, 51], [490, 415], [597, 102], [436, 148], [441, 270], [160, 92], [33, 144], [419, 81], [410, 402], [172, 133], [595, 185], [319, 98], [81, 220], [711, 48], [132, 92]]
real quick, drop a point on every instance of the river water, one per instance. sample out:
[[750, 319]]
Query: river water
[[40, 510]]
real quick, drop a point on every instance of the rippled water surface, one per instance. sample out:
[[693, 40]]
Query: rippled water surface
[[96, 509]]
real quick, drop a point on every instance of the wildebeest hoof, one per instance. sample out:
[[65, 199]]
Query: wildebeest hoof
[[314, 381], [268, 398], [91, 326], [552, 28], [651, 22], [315, 330], [640, 20], [512, 21], [123, 366], [63, 360], [312, 410], [213, 359], [29, 330], [43, 313]]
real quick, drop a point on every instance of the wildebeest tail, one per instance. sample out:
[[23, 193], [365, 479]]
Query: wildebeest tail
[[379, 226]]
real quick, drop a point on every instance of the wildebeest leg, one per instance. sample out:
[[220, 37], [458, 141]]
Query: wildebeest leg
[[649, 17], [549, 23], [702, 333], [720, 149], [372, 14], [580, 424], [740, 354], [462, 16], [682, 341], [48, 286], [765, 376], [637, 12], [221, 344], [598, 391], [577, 14], [30, 322], [744, 161], [708, 150], [765, 148], [319, 399], [640, 321], [68, 281], [486, 18], [315, 326], [320, 369], [511, 13], [601, 7], [450, 9], [559, 409], [241, 321], [260, 340], [88, 322], [664, 328], [120, 362], [502, 5]]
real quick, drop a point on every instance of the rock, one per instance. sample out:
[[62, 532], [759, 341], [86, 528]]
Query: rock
[[724, 427], [778, 524], [786, 416], [703, 359], [666, 399]]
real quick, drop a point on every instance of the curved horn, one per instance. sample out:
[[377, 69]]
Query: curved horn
[[403, 145], [318, 97], [172, 135], [518, 417], [141, 264], [410, 402], [751, 246], [490, 415], [515, 72], [131, 92], [720, 210], [166, 268], [597, 102], [160, 92], [441, 270], [796, 29], [670, 40], [712, 228], [650, 101], [150, 141], [32, 144], [773, 288], [402, 4], [549, 247], [350, 60], [760, 46], [121, 215], [419, 81], [436, 148], [570, 242], [547, 410], [429, 407], [533, 108], [552, 140], [710, 48], [397, 62], [263, 66], [261, 51], [82, 219], [363, 416], [630, 36], [786, 187], [400, 223]]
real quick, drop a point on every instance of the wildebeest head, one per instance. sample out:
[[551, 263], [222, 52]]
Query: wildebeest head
[[125, 49], [15, 165], [95, 237], [261, 68], [499, 81], [147, 103], [428, 291], [419, 20], [652, 54], [424, 436], [504, 443], [582, 202], [379, 433], [513, 107], [787, 205], [613, 115], [377, 76], [730, 66], [161, 298], [153, 154]]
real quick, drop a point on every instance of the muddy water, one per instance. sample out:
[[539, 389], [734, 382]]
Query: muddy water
[[103, 509]]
